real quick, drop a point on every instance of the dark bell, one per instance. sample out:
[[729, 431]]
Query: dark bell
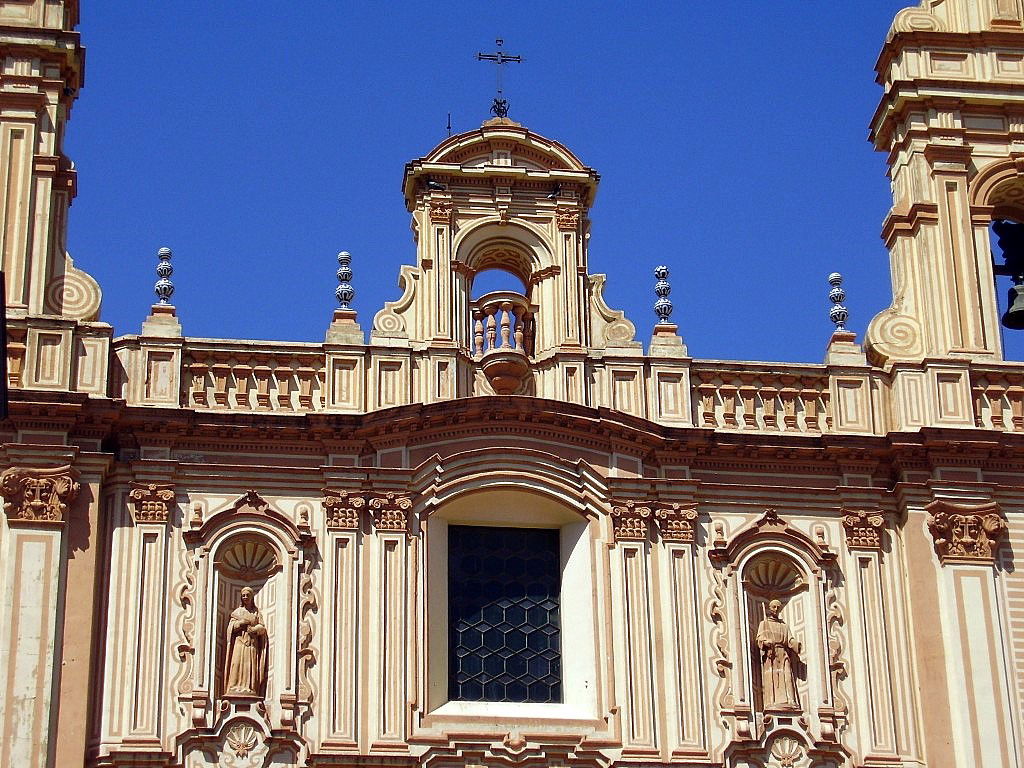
[[1014, 317], [1011, 241]]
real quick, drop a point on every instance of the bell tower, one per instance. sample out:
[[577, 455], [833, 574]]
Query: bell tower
[[503, 198], [951, 121], [54, 341]]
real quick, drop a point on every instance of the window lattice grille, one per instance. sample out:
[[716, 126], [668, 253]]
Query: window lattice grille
[[503, 615]]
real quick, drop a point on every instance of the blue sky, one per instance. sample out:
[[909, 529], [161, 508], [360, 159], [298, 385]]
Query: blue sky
[[259, 139]]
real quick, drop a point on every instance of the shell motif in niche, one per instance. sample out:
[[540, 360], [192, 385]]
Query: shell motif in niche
[[787, 752], [773, 577], [248, 559]]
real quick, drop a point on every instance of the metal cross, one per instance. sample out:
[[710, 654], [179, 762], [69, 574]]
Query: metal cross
[[500, 105]]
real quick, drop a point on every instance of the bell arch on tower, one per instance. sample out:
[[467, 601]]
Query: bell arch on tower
[[501, 197]]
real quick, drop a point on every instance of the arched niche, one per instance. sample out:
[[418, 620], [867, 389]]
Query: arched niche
[[770, 559], [247, 559], [249, 543], [773, 574]]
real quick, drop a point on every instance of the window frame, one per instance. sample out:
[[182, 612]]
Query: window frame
[[516, 508]]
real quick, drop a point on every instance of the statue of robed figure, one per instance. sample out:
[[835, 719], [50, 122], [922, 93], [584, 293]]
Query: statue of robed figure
[[245, 660], [778, 650]]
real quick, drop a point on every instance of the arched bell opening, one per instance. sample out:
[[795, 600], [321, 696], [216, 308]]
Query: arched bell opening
[[1007, 242]]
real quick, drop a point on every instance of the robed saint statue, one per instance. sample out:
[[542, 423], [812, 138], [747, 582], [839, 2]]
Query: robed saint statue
[[778, 650], [245, 661]]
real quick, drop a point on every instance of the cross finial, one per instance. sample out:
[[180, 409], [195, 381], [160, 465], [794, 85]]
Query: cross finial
[[500, 58]]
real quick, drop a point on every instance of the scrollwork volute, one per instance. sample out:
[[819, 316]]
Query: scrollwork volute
[[151, 502], [863, 529], [39, 496], [343, 509], [390, 512]]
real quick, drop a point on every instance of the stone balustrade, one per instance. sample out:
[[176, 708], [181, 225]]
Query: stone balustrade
[[786, 398], [287, 378], [998, 398], [502, 320]]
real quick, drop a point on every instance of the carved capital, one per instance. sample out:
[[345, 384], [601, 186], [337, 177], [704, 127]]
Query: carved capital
[[150, 502], [630, 520], [676, 522], [38, 496], [965, 532], [568, 219], [863, 528], [390, 512], [440, 211], [343, 509]]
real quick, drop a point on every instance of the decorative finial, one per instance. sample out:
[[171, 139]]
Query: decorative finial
[[663, 306], [344, 292], [837, 296], [164, 288]]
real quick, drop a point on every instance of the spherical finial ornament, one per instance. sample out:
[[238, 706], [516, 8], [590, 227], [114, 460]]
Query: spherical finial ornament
[[164, 288], [344, 292], [663, 306], [838, 314]]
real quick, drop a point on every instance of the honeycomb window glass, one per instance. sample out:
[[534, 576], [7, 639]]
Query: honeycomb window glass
[[504, 635]]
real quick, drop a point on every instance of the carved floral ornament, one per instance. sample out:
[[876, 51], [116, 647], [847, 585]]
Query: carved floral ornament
[[388, 511], [966, 532], [863, 528], [440, 211], [150, 502], [631, 520], [38, 495]]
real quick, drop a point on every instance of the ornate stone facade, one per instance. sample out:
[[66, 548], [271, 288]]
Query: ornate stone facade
[[226, 552]]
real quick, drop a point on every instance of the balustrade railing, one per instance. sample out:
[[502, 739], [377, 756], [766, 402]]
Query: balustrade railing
[[781, 400], [998, 399], [225, 379], [502, 320]]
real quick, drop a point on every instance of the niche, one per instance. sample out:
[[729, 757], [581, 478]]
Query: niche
[[246, 561], [777, 607]]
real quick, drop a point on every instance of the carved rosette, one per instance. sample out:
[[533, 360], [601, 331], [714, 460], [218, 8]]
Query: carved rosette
[[966, 532], [630, 520], [150, 502], [567, 219], [38, 496], [863, 529], [390, 512], [676, 522], [343, 509]]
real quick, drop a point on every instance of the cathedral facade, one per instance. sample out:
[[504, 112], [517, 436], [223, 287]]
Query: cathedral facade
[[499, 530]]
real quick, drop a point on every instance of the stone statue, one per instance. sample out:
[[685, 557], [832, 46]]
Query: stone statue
[[778, 649], [245, 662]]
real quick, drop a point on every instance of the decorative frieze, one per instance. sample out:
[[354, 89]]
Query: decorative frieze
[[39, 495], [676, 522], [390, 512], [630, 520], [863, 528], [343, 509], [965, 532], [150, 502]]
